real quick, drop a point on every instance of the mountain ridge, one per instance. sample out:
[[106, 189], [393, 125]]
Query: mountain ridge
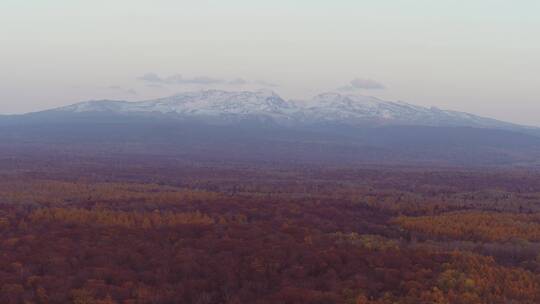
[[267, 106], [255, 127]]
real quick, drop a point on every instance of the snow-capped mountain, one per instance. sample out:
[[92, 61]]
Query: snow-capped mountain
[[354, 109], [203, 104], [261, 126], [327, 108]]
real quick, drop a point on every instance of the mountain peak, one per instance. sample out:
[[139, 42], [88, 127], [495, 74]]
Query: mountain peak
[[266, 105]]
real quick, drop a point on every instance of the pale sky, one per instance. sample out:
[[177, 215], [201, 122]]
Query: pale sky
[[479, 56]]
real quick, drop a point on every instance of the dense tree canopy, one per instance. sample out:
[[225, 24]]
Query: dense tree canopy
[[248, 235]]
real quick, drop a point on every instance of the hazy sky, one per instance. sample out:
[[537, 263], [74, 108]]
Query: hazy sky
[[480, 56]]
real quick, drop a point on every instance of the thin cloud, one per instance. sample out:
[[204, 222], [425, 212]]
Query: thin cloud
[[266, 84], [155, 80], [204, 80], [362, 84], [178, 79], [238, 81], [122, 90], [155, 86], [152, 78]]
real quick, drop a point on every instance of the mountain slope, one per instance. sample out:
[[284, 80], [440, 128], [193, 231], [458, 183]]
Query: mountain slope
[[353, 109], [262, 127], [267, 106], [210, 104]]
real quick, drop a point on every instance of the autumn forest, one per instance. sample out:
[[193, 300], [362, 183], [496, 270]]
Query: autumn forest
[[89, 231]]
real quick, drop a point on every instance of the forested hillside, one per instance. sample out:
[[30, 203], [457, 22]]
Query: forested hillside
[[78, 233]]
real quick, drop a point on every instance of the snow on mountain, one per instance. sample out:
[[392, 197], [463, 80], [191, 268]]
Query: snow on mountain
[[266, 105], [209, 103], [354, 109]]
